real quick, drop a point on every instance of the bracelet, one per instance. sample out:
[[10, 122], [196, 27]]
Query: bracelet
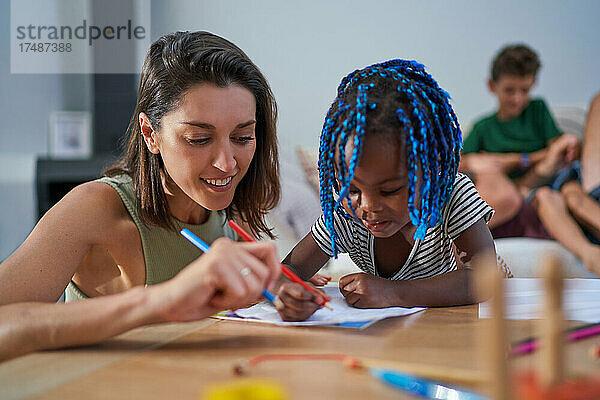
[[525, 161]]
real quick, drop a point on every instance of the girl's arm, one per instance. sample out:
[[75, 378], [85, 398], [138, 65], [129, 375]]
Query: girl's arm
[[316, 279], [450, 289], [472, 242], [305, 259], [211, 283]]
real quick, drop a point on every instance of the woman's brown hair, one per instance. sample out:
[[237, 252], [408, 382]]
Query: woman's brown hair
[[174, 63]]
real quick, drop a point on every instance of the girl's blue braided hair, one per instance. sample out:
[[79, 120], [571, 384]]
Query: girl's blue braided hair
[[393, 96]]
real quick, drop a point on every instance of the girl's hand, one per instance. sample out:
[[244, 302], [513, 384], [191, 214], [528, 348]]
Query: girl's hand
[[319, 280], [297, 303], [363, 290], [230, 276]]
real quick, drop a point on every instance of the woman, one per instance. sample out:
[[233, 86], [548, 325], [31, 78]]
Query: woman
[[201, 140], [201, 148]]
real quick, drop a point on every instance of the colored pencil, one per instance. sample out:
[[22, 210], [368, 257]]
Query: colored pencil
[[202, 245], [421, 387], [321, 298], [472, 378], [579, 332]]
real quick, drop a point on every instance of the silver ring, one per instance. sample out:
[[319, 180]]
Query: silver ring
[[245, 271]]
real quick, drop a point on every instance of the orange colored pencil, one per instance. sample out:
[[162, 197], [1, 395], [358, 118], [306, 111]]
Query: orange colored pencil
[[321, 298]]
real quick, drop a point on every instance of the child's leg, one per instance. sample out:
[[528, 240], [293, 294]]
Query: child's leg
[[555, 216], [590, 154], [501, 194], [584, 209]]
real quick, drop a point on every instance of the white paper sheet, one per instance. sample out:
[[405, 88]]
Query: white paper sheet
[[342, 312], [525, 299]]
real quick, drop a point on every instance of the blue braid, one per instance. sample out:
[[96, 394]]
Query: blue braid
[[412, 155], [424, 117]]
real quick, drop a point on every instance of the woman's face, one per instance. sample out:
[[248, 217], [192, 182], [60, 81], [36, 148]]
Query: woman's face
[[208, 141]]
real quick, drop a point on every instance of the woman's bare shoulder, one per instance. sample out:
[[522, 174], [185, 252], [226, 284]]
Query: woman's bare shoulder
[[93, 204], [91, 214], [96, 195]]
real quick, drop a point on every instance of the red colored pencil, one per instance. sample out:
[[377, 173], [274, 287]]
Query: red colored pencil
[[321, 298], [240, 231]]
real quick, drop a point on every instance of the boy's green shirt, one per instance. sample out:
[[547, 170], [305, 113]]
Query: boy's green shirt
[[527, 133]]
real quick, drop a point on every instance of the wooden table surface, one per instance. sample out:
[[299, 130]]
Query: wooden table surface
[[182, 360]]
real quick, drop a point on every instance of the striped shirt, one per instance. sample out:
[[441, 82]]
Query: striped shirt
[[431, 256]]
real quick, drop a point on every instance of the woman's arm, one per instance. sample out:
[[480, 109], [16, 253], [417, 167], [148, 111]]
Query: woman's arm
[[211, 283], [28, 327], [450, 289], [41, 268]]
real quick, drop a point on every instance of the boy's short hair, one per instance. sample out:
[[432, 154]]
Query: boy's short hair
[[515, 59]]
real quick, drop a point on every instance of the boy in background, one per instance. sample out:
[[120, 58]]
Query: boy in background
[[517, 148]]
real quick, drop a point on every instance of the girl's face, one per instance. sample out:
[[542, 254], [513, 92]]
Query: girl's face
[[207, 143], [379, 190]]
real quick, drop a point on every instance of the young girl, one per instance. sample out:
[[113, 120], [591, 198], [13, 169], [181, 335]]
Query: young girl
[[391, 196]]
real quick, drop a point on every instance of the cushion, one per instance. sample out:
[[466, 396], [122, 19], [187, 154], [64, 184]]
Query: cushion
[[570, 119], [524, 255], [309, 162], [299, 207]]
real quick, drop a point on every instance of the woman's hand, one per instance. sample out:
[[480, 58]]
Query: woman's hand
[[296, 303], [230, 276], [363, 290]]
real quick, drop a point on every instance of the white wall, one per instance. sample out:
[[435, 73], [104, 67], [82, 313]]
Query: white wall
[[26, 101], [304, 49]]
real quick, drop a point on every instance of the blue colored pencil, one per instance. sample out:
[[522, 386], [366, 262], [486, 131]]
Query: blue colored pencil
[[202, 245], [421, 387]]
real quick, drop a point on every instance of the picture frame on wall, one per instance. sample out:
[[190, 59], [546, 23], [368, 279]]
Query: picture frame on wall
[[70, 135]]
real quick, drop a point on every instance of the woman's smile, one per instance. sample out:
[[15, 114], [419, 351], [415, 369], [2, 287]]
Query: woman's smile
[[219, 185]]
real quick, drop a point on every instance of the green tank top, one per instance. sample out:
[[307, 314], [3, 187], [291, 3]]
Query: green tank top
[[165, 252]]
